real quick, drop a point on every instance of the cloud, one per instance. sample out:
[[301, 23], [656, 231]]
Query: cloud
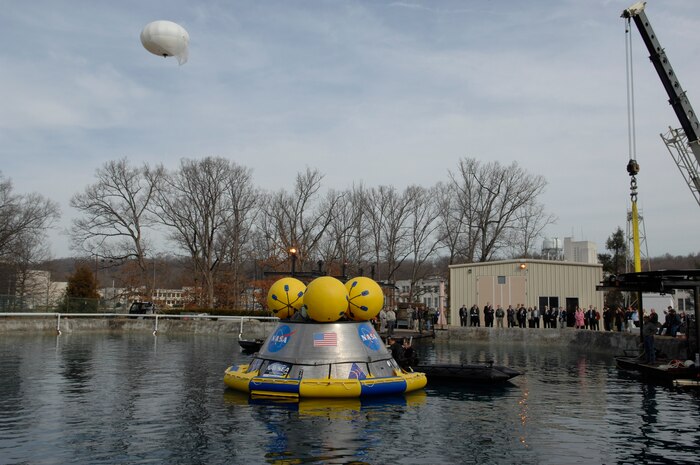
[[381, 92]]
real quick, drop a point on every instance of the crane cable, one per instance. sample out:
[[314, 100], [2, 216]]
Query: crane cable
[[632, 165], [629, 74]]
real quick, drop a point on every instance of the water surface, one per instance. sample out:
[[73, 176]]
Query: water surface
[[113, 398]]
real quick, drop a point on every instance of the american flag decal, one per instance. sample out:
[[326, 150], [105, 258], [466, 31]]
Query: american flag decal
[[325, 339]]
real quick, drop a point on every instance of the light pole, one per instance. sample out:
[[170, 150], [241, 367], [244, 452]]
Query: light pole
[[153, 294], [293, 256]]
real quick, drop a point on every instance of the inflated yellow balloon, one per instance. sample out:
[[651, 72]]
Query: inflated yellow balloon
[[365, 298], [285, 297], [326, 299]]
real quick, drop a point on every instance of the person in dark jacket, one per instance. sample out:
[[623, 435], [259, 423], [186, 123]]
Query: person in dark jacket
[[488, 315], [648, 331], [474, 316], [463, 315], [396, 348], [510, 316]]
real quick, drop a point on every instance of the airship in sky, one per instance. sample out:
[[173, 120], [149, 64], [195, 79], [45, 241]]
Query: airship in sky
[[166, 39]]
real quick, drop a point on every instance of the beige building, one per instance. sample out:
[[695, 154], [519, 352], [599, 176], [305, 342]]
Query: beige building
[[529, 282]]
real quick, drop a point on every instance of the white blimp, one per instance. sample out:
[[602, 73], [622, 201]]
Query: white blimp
[[166, 39]]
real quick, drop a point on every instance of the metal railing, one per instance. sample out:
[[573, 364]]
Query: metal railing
[[155, 317]]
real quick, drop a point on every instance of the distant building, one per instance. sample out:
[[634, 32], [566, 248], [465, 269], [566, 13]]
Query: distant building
[[38, 291], [580, 251], [172, 298], [425, 291]]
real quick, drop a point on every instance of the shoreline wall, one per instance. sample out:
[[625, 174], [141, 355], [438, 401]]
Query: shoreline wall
[[613, 343], [252, 329]]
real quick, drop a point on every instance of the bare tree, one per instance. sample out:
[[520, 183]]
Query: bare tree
[[266, 240], [196, 204], [234, 238], [115, 213], [359, 249], [468, 197], [334, 246], [531, 220], [388, 225], [300, 219], [423, 210], [24, 221], [450, 220], [494, 199], [347, 234]]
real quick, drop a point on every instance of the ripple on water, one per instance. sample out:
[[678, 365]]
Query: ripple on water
[[128, 398]]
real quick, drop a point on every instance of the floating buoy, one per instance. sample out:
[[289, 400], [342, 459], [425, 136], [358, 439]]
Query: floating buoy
[[365, 298], [285, 297]]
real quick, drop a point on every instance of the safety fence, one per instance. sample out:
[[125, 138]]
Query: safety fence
[[154, 317]]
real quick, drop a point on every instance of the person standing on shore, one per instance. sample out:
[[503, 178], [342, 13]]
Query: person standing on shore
[[554, 317], [674, 322], [588, 317], [499, 317], [619, 319], [488, 316], [463, 315], [428, 319], [607, 319], [390, 322], [522, 316], [510, 316], [563, 317], [546, 317], [579, 317], [474, 315]]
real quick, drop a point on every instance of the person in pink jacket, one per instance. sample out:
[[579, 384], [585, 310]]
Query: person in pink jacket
[[579, 318]]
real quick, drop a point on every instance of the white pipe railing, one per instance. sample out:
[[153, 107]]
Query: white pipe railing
[[139, 315], [263, 318]]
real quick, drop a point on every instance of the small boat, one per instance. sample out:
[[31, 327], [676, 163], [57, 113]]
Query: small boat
[[476, 373], [662, 370], [249, 346]]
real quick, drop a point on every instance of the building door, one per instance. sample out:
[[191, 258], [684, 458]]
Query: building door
[[571, 305], [500, 290]]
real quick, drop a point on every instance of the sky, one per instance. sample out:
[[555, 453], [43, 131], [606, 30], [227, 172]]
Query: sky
[[379, 92]]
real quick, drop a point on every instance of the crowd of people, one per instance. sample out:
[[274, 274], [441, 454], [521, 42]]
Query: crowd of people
[[518, 316], [618, 319], [419, 319]]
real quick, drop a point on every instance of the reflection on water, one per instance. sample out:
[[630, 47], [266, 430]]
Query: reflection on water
[[128, 398]]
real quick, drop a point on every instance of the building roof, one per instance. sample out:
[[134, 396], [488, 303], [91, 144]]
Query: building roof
[[524, 260]]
